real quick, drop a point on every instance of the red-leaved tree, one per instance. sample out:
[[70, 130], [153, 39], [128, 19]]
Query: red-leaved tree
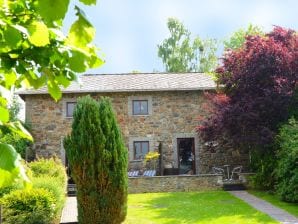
[[257, 85]]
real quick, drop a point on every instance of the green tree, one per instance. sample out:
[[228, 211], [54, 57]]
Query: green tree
[[237, 39], [179, 53], [34, 52], [98, 162]]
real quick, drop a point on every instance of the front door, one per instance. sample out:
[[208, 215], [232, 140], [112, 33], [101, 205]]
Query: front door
[[186, 155]]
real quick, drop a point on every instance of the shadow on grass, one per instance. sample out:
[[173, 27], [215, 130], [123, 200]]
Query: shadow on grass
[[193, 207]]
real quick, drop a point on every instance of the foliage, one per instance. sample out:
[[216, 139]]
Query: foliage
[[287, 168], [151, 159], [34, 52], [35, 206], [49, 168], [152, 155], [11, 166], [14, 109], [181, 54], [98, 162], [216, 207], [238, 38], [263, 164], [20, 144], [52, 185], [258, 82]]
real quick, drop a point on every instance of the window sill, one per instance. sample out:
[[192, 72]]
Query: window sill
[[136, 160], [140, 115]]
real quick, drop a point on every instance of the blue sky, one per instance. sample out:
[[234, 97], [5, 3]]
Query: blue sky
[[128, 31]]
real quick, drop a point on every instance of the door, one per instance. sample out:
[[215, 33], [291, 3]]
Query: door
[[186, 155]]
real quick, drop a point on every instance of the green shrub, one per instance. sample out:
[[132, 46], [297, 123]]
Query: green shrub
[[20, 144], [49, 168], [52, 185], [34, 206], [98, 162], [287, 169], [263, 164]]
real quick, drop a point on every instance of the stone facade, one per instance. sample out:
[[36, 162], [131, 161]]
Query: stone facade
[[174, 183], [172, 115]]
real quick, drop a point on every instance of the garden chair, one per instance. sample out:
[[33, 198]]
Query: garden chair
[[134, 173], [149, 173], [236, 170], [217, 170]]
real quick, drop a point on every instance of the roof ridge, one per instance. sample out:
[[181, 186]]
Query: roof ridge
[[144, 73]]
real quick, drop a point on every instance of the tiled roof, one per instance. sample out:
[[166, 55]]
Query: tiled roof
[[136, 83]]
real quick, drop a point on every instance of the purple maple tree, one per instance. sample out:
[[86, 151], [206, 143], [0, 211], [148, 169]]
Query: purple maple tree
[[257, 82]]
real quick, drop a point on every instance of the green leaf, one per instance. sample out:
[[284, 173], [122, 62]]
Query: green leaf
[[61, 79], [38, 34], [12, 37], [54, 90], [4, 114], [19, 129], [10, 79], [77, 62], [88, 2], [52, 10], [10, 155], [11, 167], [81, 32]]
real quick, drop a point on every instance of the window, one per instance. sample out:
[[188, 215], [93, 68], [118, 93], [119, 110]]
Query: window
[[141, 148], [140, 107], [70, 108]]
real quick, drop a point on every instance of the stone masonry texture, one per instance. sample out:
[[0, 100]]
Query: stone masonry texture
[[173, 114]]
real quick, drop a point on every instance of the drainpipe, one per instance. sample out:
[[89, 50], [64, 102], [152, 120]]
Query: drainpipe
[[160, 163]]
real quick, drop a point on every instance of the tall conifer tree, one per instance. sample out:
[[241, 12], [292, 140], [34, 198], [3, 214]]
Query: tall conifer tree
[[98, 161]]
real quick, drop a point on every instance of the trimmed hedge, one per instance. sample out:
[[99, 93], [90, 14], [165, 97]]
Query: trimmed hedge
[[49, 168], [53, 186], [34, 206], [42, 204]]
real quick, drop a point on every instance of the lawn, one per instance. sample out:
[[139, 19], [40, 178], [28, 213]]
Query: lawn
[[216, 207], [291, 208]]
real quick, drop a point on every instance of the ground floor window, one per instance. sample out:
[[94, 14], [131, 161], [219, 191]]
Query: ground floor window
[[141, 148]]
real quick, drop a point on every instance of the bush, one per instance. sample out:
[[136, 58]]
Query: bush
[[20, 144], [287, 169], [263, 164], [35, 206], [49, 168], [52, 185], [98, 162]]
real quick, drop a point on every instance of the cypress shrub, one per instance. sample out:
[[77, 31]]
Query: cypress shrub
[[98, 162]]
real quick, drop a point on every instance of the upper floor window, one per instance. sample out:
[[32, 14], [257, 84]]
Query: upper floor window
[[70, 108], [141, 148], [140, 107]]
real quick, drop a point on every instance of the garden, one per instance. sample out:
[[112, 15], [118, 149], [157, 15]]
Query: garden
[[254, 110], [41, 200], [216, 207]]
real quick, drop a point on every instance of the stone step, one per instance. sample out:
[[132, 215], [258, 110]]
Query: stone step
[[233, 187], [71, 190]]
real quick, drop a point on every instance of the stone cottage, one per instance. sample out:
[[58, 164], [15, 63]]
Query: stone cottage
[[153, 110]]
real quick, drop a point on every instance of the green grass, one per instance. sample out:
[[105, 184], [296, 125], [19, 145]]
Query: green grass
[[291, 208], [210, 207]]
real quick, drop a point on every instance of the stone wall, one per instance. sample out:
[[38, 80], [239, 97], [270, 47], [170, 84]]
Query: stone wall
[[174, 183], [173, 115]]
